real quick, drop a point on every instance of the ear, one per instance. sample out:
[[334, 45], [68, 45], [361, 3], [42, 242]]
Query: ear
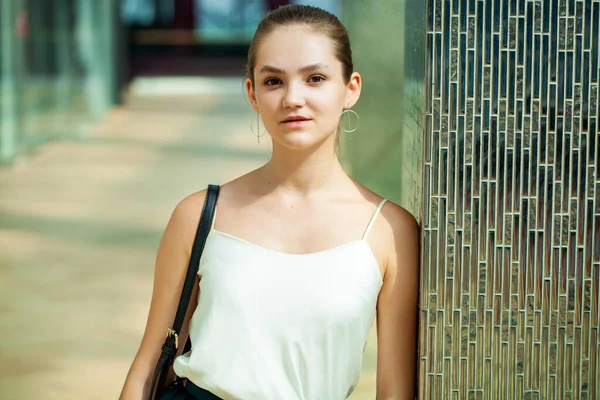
[[353, 90], [251, 95]]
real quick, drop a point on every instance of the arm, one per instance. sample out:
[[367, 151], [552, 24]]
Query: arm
[[397, 310], [171, 265]]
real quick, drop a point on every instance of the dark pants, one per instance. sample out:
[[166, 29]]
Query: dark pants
[[187, 391]]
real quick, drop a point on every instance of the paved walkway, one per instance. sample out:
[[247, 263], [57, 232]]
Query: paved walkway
[[80, 223]]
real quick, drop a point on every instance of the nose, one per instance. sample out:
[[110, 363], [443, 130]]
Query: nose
[[294, 96]]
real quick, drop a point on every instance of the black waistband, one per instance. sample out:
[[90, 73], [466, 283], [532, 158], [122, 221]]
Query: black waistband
[[199, 393]]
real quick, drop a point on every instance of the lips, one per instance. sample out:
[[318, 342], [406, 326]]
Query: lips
[[296, 119]]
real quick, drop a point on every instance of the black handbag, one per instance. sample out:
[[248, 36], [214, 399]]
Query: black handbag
[[169, 348]]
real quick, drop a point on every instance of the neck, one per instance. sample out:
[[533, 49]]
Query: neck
[[301, 174]]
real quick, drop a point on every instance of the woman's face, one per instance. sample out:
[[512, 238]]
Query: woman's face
[[297, 76]]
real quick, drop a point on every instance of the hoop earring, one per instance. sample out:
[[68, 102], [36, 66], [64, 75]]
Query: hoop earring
[[257, 133], [357, 121]]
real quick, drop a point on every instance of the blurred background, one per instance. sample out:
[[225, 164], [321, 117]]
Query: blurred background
[[110, 113], [480, 117]]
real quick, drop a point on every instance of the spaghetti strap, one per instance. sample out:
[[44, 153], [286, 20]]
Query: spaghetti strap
[[373, 218]]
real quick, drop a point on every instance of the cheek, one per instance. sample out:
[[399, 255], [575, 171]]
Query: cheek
[[322, 99], [330, 107], [268, 102]]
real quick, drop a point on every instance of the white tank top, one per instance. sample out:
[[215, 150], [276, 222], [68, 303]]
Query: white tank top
[[278, 326]]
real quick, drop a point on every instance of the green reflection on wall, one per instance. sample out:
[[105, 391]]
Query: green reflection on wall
[[385, 152]]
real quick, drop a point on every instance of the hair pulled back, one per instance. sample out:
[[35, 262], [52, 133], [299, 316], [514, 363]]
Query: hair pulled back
[[312, 17]]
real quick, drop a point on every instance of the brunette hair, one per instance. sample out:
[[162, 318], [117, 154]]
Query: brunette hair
[[312, 17]]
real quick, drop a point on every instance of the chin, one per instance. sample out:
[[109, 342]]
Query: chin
[[300, 140]]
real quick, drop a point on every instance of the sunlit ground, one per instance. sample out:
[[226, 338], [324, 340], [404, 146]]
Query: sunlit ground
[[80, 223]]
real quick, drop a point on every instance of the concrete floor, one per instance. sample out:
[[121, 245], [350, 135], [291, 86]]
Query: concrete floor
[[80, 223]]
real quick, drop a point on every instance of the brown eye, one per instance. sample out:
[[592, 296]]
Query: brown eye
[[272, 82], [316, 79]]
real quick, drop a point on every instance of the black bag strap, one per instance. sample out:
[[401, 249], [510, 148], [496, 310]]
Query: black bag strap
[[201, 234], [169, 348]]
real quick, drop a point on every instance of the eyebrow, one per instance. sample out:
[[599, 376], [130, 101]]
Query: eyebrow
[[308, 68]]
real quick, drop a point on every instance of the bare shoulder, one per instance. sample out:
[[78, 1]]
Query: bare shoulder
[[183, 223], [191, 203], [400, 220], [187, 212], [402, 236]]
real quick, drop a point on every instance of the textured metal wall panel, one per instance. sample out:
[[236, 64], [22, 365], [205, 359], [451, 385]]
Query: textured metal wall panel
[[511, 230]]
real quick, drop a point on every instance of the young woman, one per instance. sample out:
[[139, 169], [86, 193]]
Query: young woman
[[300, 257]]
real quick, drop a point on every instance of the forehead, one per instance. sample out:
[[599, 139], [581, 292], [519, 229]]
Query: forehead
[[289, 48]]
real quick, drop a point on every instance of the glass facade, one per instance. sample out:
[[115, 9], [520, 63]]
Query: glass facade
[[511, 230], [57, 70]]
